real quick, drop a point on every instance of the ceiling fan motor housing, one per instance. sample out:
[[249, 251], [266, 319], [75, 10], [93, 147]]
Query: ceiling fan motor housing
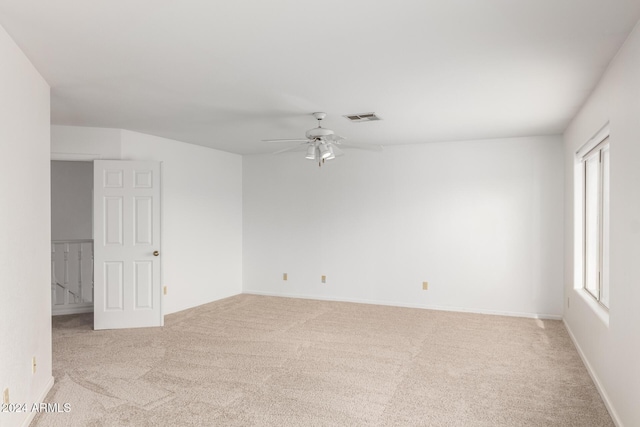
[[318, 133]]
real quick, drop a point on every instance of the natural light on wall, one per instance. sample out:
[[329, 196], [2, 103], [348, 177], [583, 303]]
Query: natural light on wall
[[592, 220]]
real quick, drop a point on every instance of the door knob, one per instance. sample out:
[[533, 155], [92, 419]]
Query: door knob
[[156, 253]]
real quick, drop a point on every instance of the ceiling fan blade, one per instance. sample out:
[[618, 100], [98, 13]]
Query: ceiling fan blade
[[294, 148], [335, 138], [286, 140], [361, 146]]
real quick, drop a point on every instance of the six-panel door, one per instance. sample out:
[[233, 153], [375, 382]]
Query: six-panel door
[[126, 235]]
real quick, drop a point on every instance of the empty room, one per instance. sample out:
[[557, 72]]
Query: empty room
[[292, 213]]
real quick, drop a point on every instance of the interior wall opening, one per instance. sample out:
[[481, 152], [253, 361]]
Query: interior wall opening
[[71, 237]]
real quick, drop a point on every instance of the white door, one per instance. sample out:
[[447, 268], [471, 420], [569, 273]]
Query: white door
[[126, 233]]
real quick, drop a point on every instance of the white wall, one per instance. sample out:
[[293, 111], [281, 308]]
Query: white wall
[[201, 208], [71, 200], [25, 296], [85, 143], [201, 218], [481, 221], [612, 351]]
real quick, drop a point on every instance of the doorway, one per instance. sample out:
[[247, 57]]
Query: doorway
[[71, 237]]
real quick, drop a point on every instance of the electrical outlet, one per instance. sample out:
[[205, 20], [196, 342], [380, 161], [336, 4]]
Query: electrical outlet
[[284, 276], [425, 286], [5, 396], [164, 290], [568, 303], [33, 364], [324, 279]]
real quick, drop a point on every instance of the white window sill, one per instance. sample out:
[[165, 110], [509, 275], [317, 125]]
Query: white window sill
[[596, 307]]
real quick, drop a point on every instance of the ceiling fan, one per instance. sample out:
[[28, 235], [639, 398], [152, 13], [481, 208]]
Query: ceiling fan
[[322, 144]]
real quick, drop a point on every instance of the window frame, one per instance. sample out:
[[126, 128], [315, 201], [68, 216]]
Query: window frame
[[597, 146]]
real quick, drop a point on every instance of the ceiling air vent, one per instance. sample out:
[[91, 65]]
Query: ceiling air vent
[[364, 117]]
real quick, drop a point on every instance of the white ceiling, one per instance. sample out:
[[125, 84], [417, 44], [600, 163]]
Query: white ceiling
[[227, 74]]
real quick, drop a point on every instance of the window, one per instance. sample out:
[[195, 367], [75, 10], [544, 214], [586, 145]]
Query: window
[[595, 221]]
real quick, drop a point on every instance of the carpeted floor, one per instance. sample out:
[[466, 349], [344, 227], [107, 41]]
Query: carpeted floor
[[268, 361]]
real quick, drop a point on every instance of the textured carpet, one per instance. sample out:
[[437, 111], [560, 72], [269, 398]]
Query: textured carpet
[[268, 361]]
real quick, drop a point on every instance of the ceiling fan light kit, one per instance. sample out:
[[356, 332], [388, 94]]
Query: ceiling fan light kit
[[311, 152], [323, 144], [324, 151]]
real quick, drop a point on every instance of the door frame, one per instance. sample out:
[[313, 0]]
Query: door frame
[[76, 157], [79, 157]]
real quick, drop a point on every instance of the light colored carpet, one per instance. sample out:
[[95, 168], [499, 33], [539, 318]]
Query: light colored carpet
[[268, 361]]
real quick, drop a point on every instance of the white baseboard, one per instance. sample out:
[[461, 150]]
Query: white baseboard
[[40, 399], [72, 310], [399, 304], [596, 380]]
